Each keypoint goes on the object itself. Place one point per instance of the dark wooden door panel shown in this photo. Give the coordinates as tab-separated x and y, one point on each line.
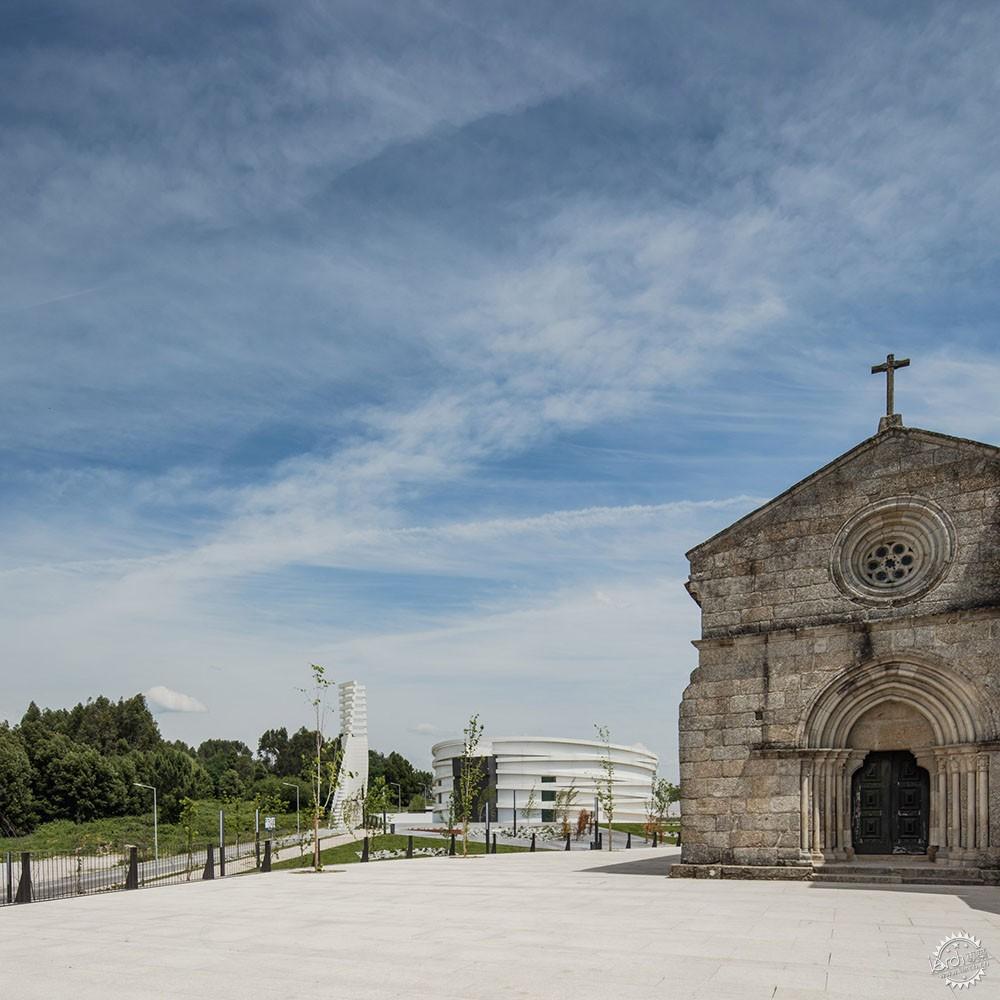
890	802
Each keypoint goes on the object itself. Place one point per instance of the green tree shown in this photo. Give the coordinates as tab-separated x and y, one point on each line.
284	756
397	770
75	782
230	785
466	793
175	776
377	803
106	726
606	784
301	747
135	725
663	794
17	813
218	756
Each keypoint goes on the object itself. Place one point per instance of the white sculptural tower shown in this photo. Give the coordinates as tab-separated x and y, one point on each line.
354	737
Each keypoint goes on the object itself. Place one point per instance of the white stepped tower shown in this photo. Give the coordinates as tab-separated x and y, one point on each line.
354	737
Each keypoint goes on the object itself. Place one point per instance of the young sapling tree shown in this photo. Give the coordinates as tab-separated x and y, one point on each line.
465	797
606	783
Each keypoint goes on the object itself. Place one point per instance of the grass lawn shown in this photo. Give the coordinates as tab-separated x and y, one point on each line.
64	836
347	854
639	829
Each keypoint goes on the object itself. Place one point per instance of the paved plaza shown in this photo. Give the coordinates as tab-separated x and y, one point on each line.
548	925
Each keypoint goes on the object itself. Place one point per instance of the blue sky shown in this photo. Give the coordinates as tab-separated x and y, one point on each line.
422	340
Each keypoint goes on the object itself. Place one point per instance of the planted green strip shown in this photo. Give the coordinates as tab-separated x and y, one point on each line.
348	854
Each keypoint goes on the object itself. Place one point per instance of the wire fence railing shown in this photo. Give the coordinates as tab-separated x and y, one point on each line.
34	876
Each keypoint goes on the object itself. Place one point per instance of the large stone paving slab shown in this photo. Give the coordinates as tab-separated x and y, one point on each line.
545	925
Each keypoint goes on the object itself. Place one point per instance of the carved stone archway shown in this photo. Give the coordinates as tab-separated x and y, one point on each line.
922	706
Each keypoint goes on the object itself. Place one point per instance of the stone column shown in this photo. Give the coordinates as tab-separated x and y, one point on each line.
982	801
852	763
934	823
941	777
817	836
954	806
927	760
969	829
829	805
804	786
837	777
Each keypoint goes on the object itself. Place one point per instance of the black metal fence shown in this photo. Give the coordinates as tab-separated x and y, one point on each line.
33	876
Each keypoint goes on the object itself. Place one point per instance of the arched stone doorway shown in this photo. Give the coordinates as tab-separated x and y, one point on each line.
890	804
874	730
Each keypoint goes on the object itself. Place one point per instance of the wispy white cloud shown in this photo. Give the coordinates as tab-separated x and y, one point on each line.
163	699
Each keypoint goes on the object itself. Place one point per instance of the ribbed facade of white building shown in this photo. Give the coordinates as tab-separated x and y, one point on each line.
548	765
354	736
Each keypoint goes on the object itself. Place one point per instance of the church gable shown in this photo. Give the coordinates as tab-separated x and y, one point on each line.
908	518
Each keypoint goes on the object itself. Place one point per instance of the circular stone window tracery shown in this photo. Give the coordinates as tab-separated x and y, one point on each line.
893	551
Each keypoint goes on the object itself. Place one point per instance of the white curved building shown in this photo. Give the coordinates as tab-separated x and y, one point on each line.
514	765
354	736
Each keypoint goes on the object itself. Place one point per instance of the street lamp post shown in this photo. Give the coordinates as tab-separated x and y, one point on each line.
399	795
156	839
298	830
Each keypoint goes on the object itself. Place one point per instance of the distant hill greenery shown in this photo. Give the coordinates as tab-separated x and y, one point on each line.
81	764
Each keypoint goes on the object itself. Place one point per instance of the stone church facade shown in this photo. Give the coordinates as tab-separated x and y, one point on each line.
847	696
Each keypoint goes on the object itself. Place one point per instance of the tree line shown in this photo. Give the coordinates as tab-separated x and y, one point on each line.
83	763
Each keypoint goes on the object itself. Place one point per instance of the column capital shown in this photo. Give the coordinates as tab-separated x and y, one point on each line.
982	761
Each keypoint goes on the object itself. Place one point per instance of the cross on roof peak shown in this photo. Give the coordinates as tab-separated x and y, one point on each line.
889	366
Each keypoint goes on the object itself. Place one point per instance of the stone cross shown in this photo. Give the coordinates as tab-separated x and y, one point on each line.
890	366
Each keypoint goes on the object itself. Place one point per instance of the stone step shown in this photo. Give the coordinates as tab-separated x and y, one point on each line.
877	879
958	880
942	871
903	875
895	859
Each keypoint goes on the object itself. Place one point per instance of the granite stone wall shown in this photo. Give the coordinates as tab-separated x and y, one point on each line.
777	630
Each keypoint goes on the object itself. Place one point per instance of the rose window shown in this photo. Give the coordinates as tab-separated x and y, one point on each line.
889	564
894	550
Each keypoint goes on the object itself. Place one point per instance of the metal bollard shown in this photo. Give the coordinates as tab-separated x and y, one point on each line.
266	864
628	840
494	846
24	886
567	842
532	843
451	847
364	850
209	873
409	846
132	878
654	837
